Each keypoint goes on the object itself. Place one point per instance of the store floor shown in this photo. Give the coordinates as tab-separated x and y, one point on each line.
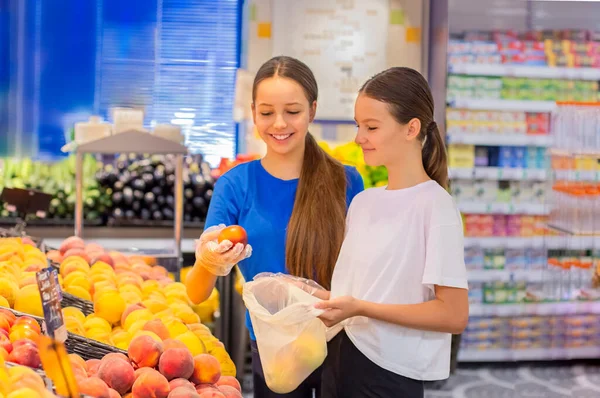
552	380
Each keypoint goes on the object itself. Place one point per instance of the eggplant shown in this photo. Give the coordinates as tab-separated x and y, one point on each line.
138	195
139	184
188	193
128	196
161	200
145	214
130	214
157	215
136	206
149	198
171	201
168	214
118	213
157	190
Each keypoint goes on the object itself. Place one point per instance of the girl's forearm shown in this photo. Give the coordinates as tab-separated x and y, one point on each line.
434	315
199	283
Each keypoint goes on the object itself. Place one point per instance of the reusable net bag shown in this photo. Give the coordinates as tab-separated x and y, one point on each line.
292	341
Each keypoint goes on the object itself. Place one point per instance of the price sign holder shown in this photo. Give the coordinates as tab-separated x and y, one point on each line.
57	366
51	294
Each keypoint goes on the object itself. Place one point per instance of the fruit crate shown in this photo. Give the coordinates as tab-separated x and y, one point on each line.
69	300
75	344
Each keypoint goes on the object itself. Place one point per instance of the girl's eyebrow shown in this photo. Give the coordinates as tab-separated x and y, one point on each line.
289	103
368	120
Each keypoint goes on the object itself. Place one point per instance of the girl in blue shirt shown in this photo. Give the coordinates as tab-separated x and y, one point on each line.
292	203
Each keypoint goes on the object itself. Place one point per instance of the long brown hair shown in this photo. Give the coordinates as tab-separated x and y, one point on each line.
408	96
315	231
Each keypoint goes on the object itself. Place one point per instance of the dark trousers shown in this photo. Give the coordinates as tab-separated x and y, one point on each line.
348	373
310	386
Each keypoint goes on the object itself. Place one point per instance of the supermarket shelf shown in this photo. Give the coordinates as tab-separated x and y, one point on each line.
548	242
577	175
502	105
536	72
504	208
524	309
505	275
499	173
499	139
532	354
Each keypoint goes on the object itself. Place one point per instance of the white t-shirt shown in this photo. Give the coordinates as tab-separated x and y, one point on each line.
398	245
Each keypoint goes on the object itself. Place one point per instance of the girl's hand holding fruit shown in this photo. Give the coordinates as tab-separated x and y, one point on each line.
220	248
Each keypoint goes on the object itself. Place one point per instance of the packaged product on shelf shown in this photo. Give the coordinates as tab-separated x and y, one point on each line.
461	156
462	190
475	292
494	259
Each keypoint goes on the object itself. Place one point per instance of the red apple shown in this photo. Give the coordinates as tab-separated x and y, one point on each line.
235	234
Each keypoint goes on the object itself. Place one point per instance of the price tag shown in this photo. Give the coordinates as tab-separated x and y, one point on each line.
57	366
51	294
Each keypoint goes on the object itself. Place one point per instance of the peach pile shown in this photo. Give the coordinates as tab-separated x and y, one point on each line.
21	382
153	368
19	261
18	339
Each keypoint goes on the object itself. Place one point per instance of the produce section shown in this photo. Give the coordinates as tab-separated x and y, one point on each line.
161	342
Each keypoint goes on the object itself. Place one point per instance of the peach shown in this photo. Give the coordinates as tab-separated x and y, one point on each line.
129	310
117	374
6	344
73	242
140	371
10	317
26	355
229	381
230	392
151	384
92	366
55	256
94	387
113	394
182	392
94	247
176	363
74	358
116	355
25	341
118	257
27	320
212	394
34	268
104	257
207	369
172	343
201	388
5	324
158	327
3	354
145	351
77	252
175	383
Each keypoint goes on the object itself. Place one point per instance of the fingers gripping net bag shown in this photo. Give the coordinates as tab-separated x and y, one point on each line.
291	339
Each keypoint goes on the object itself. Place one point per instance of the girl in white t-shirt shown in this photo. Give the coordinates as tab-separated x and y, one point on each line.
399	285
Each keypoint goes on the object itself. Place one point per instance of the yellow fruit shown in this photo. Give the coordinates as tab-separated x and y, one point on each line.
74	326
78	291
137	315
98	335
110	306
4	302
72	264
175	327
137	326
24	392
174	287
164	314
9	290
73	313
192	342
121	340
82	282
101	266
101	277
29	301
187	317
130	288
155	306
149	287
97	323
131	298
17	372
74	275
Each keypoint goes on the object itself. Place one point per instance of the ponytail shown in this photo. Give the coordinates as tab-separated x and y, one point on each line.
316	228
434	156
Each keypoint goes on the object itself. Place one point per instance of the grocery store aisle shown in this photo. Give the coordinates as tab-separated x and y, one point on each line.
525	381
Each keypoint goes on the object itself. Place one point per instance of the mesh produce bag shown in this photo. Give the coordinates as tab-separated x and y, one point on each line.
292	341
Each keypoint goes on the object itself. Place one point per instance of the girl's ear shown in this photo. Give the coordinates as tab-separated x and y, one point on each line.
414	128
313	111
253	112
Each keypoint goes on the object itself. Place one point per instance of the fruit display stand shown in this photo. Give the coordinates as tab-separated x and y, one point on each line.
134	141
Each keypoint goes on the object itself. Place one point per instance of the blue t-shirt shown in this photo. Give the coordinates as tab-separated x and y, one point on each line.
249	196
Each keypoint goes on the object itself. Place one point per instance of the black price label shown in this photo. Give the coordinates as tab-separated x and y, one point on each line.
51	294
